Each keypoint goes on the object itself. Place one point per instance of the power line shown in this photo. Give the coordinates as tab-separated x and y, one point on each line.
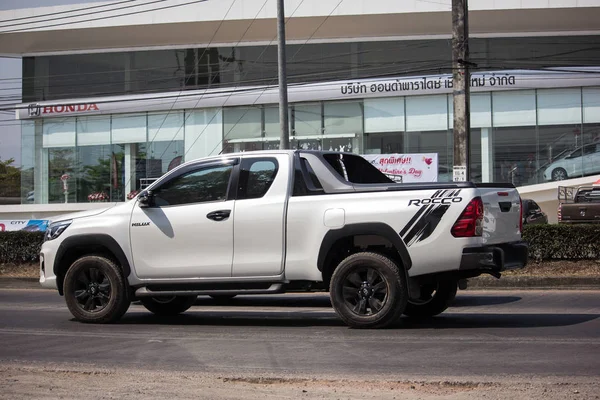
404	46
195	68
106	17
66	11
197	102
86	13
401	46
294	56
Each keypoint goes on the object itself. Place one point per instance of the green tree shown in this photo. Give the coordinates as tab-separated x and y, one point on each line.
10	179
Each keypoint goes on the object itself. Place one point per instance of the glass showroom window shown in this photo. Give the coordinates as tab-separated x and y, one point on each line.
59	158
384	126
307	126
481	154
28	161
203	133
242	129
427	130
95	162
128	138
559	134
591	129
165	143
342	126
272	128
514	138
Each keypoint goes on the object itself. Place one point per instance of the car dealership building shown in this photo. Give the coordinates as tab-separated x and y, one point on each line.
115	94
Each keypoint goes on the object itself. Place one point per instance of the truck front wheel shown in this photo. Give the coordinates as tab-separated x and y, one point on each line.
95	290
168	305
434	299
368	290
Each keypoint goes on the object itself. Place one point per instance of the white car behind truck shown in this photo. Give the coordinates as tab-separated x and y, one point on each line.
275	221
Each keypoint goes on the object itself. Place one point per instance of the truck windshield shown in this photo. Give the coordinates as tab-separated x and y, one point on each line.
355	169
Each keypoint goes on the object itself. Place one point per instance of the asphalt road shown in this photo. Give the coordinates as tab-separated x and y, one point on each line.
487	333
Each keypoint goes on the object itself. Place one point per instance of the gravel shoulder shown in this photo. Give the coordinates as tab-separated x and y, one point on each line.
44	381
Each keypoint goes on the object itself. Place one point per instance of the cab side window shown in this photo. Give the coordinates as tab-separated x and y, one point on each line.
256	177
198	186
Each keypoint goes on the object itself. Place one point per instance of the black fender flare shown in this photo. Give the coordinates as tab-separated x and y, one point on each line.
370	228
90	241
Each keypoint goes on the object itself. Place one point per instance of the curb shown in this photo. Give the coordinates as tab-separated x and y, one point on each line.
480	283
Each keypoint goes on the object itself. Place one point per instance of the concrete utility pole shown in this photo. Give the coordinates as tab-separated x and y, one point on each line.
461	91
284	141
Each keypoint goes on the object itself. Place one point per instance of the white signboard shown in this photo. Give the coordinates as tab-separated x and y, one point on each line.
31	225
459	173
486	81
407	168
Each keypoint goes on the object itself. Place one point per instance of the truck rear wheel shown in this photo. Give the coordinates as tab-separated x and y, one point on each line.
434	299
168	305
95	290
368	290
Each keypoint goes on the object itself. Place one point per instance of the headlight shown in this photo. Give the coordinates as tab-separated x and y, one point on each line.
54	230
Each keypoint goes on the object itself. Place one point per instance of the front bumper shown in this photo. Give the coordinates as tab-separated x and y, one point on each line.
47	277
495	258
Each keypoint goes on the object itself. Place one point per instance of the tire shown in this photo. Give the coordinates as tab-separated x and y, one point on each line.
167	306
435	299
559	174
368	290
95	290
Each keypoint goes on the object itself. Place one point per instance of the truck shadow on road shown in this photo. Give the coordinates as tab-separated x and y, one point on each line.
478	301
322	300
307	319
448	320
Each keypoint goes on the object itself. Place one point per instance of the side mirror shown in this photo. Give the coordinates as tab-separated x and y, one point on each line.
146	199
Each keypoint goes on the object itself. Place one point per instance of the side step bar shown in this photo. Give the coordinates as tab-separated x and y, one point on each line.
145	292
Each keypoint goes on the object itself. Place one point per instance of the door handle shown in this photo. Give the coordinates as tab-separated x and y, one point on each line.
220	215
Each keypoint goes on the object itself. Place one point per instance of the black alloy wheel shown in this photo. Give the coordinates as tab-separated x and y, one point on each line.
95	290
369	290
92	290
365	291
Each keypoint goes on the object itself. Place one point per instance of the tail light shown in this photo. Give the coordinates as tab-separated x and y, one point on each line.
470	222
520	215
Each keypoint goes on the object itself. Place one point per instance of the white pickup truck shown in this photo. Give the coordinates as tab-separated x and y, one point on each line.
275	221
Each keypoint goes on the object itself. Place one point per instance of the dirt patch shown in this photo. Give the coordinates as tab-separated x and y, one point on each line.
559	268
29	270
27	381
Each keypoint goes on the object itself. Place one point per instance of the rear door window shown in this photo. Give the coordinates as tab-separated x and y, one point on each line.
355	169
256	177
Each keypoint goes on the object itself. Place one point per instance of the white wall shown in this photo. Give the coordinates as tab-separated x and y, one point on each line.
174	23
546	194
250	9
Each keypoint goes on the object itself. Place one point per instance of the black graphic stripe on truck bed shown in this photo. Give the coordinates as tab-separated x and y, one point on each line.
426	219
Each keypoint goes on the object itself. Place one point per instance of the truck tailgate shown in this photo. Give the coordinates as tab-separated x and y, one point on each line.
579	212
502	214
